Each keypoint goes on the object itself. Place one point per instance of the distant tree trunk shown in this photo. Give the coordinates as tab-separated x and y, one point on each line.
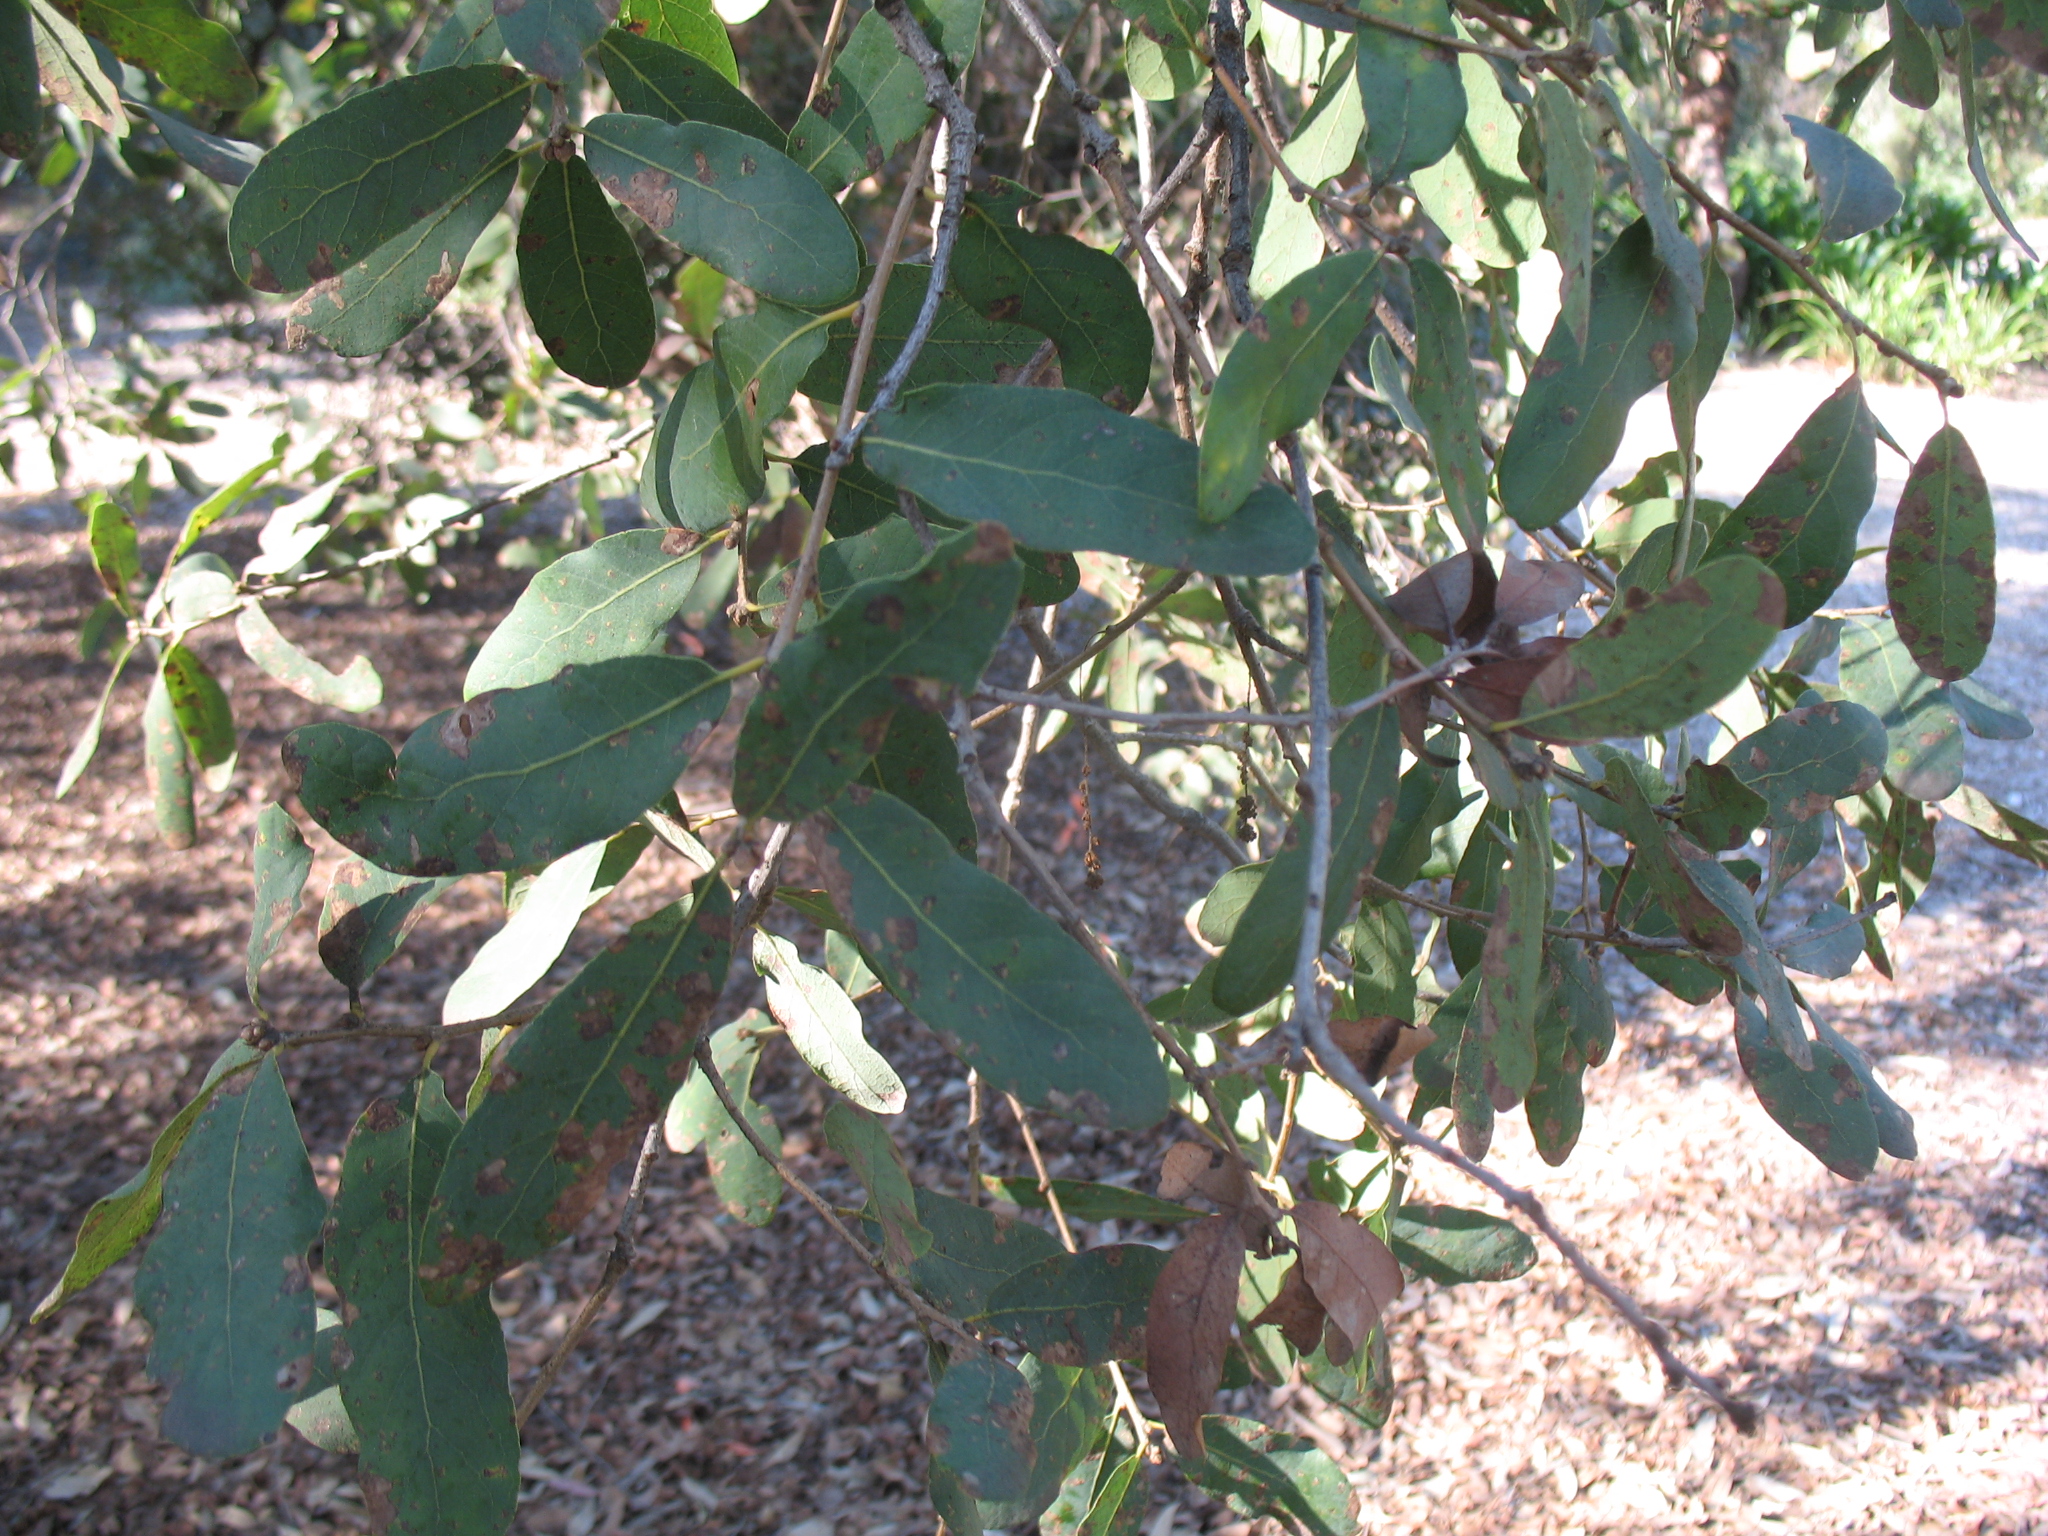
1710	84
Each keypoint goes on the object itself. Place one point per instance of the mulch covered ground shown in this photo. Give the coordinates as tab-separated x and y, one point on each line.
748	1381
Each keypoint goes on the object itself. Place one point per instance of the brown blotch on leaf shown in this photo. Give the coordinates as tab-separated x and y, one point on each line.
491	1180
464	725
1188	1326
1295	1312
382	1116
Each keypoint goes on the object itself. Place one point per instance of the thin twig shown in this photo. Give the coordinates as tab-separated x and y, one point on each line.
923	1310
1101	643
1338	1067
849	401
825	51
423	1034
624	1248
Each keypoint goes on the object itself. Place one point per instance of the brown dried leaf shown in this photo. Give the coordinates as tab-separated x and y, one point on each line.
1536	589
1295	1312
1188	1324
1495	688
1452	599
1353	1273
1196	1168
1380	1045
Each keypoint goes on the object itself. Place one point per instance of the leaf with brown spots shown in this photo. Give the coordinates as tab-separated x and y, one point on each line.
1828	1108
825	706
1353	1274
979	1429
744	207
1008	990
574	1092
1941	570
362	174
1079	1308
1801	763
1577	403
1801	518
1445	391
1653	662
224	1282
746	1183
1278	372
514	778
1188	1326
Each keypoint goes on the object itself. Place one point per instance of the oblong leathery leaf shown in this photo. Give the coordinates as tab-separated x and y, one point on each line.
1453	1246
1446	397
356	689
425	1386
281	863
1801	518
1941	572
205	718
1572	414
1656	661
656	79
550	37
1287	237
1064	472
580	274
1926	734
1806	759
71	74
1857	193
610	600
691	25
1986	714
979	1428
1478	193
521	953
744	207
873	101
470	35
195	57
1084	299
1011	993
366	917
1828	944
512	778
1278	372
1689	385
367	171
1822	1107
1414	94
1067	1404
118	1220
704	468
111	539
1365	769
224	1282
1079	1308
745	1182
1570	180
1266	1472
825	705
824	1027
919	764
964	347
394	287
1651	184
871	1152
973	1252
1999	825
573	1093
